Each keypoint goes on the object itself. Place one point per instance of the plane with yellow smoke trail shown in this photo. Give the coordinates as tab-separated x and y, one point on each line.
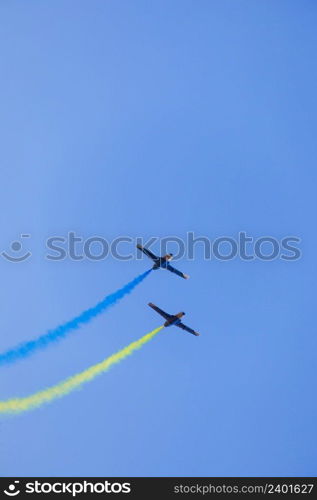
19	405
173	319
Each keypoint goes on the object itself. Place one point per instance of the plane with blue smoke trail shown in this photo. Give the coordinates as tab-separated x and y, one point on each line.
28	348
162	262
173	319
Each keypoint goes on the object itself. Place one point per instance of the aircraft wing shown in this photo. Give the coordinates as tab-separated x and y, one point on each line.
176	271
147	252
158	310
187	329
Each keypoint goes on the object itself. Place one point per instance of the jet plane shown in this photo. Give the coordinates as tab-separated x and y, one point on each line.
173	319
162	262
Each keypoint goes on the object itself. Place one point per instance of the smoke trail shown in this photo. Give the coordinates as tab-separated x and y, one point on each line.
27	348
19	405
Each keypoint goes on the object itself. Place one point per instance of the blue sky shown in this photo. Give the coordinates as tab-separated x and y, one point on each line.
140	119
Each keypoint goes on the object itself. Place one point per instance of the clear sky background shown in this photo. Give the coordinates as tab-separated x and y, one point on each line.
157	118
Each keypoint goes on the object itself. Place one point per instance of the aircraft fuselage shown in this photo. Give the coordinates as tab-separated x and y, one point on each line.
174	320
160	262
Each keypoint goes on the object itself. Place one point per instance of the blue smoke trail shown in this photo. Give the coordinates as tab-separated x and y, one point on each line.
27	348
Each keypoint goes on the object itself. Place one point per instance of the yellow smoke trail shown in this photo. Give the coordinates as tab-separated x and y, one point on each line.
18	405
